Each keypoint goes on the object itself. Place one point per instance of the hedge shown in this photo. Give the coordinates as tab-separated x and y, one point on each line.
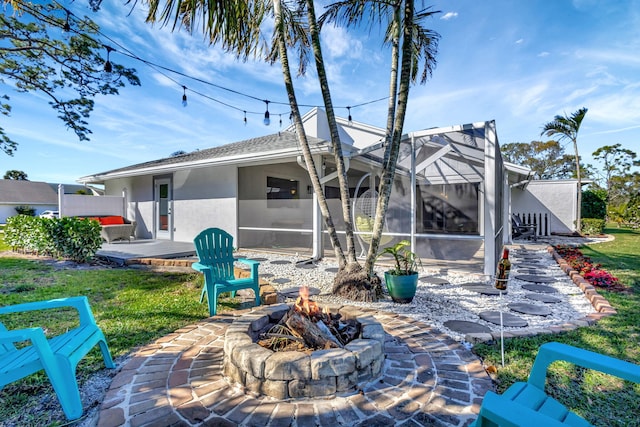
70	238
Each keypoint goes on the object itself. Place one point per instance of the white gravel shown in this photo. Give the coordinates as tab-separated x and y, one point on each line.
437	303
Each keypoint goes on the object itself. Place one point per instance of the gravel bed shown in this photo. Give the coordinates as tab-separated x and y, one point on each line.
437	303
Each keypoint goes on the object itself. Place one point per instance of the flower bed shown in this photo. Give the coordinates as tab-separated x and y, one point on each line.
588	269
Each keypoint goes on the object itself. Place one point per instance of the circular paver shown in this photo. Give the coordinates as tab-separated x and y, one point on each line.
189	386
530	265
535	278
534	287
532	271
545	298
331	269
281	280
434	280
533	309
482	288
280	262
466	327
266	275
260	259
508	319
294	292
306	266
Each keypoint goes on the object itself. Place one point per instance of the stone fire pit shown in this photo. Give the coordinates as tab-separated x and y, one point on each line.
295	374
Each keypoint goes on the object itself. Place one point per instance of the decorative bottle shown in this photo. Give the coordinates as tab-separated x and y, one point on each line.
502	274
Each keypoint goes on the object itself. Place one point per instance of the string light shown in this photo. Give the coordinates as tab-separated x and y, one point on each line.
349	119
267	119
108	68
184	96
280	119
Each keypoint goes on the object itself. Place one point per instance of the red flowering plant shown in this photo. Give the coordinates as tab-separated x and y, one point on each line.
592	272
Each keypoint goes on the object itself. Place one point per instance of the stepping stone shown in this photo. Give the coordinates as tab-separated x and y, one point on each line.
266	275
306	265
530	265
528	271
466	327
280	262
259	259
533	287
526	308
482	288
508	319
281	280
545	298
331	269
294	292
434	281
535	278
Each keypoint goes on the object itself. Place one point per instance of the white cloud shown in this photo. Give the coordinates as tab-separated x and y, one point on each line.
449	15
519	41
543	54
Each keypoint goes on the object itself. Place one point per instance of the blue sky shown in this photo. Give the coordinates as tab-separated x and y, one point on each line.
516	62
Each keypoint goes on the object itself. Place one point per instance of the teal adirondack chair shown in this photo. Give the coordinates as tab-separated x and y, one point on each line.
527	405
215	253
58	356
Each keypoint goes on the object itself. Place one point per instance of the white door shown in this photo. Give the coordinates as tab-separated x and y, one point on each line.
164	208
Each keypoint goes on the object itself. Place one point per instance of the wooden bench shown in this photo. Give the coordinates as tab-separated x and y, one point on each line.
58	356
527	404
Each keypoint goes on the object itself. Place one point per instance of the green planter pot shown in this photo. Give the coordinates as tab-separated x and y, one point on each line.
401	288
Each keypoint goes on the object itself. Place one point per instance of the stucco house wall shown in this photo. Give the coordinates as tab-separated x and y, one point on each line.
558	199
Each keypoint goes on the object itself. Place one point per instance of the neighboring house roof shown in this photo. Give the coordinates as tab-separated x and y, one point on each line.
70	188
15	192
278	145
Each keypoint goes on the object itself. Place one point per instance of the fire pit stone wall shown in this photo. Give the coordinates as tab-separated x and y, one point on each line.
295	374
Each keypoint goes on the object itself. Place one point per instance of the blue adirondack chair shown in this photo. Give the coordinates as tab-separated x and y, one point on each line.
58	356
527	405
215	255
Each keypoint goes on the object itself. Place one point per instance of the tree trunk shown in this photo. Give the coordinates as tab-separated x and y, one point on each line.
333	127
355	283
579	210
302	137
313	336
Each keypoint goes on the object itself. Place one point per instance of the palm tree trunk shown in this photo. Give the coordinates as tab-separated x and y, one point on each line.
333	127
579	210
302	137
391	152
393	90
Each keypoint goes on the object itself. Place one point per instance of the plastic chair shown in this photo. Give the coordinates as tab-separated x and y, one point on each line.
216	261
527	405
58	356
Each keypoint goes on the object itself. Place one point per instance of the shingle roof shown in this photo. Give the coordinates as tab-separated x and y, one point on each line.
253	147
16	192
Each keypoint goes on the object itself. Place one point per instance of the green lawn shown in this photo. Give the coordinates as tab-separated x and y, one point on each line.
133	308
601	399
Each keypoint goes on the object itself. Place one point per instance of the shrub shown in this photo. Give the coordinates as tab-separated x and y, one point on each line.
71	238
25	210
592	272
594	204
592	226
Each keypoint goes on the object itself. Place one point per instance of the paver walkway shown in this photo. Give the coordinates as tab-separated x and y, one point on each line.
428	380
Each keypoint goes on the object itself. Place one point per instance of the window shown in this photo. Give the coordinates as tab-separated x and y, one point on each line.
281	189
448	208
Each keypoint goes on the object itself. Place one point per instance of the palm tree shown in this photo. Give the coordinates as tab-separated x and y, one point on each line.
567	127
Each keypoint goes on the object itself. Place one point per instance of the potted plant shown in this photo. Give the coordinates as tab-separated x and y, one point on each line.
402	279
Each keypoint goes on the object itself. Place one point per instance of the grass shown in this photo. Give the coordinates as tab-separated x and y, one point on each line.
601	399
133	308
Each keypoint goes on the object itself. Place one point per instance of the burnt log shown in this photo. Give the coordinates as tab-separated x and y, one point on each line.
313	336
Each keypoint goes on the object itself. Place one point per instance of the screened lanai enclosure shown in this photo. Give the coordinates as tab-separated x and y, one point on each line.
450	199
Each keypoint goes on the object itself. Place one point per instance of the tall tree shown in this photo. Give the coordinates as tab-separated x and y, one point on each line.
36	57
16	175
616	161
546	159
244	18
567	127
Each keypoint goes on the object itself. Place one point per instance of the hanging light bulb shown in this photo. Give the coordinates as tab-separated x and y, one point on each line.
66	28
280	119
291	117
267	119
108	68
349	118
184	96
245	118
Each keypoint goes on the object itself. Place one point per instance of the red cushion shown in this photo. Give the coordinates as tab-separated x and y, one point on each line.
111	220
